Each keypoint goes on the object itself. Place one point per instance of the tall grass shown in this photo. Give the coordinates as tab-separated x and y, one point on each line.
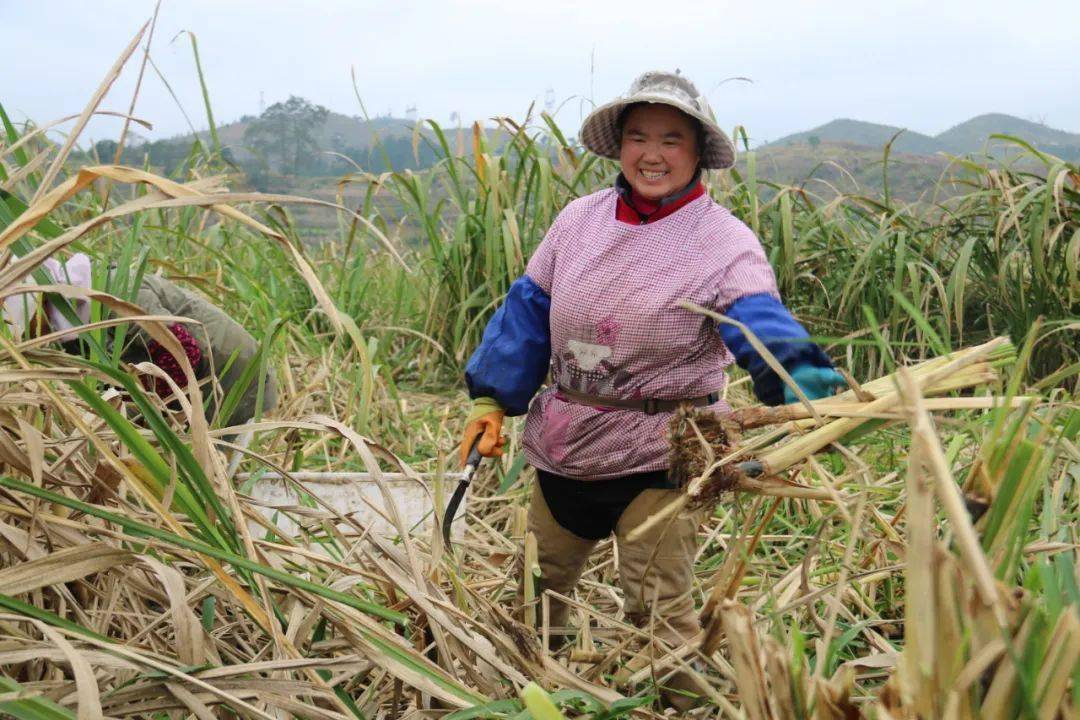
991	260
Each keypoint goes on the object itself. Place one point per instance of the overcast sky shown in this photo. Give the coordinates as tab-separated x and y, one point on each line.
922	64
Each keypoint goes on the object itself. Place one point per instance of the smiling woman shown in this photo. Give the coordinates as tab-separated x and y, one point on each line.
599	307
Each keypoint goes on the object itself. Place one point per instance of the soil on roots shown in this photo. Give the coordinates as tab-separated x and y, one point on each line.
699	438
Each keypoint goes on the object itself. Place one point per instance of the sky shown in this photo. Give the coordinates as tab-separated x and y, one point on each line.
921	64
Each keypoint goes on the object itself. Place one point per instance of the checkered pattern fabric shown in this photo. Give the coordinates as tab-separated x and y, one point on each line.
600	131
616	330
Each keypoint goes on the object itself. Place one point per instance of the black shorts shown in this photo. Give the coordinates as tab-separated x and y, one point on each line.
591	508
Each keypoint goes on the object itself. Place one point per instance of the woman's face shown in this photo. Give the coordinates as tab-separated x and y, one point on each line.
659	150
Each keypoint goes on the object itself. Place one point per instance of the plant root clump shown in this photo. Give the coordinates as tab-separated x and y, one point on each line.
698	439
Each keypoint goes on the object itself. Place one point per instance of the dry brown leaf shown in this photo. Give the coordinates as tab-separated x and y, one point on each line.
85	683
188	631
746	657
61	566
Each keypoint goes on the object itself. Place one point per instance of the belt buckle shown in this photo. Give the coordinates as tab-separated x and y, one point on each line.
651	406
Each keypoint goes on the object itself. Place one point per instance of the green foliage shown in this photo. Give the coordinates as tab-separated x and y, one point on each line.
482	214
987	262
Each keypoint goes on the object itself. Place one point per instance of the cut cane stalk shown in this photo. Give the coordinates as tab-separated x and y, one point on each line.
960	370
762	416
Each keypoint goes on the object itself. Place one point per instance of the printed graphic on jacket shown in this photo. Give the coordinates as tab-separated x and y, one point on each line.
588	366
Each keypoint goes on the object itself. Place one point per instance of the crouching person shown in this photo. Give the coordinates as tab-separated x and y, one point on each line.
215	343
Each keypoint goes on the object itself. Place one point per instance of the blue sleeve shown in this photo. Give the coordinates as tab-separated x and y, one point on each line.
781	333
513	358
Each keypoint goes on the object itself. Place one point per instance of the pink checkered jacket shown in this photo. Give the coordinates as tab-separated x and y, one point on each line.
616	329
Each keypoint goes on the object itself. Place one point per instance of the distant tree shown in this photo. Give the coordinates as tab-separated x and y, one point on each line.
284	130
814	141
105	150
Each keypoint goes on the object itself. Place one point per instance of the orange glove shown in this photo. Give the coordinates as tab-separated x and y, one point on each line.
484	421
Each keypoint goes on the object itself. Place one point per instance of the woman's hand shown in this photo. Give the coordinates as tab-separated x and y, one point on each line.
815	382
484	421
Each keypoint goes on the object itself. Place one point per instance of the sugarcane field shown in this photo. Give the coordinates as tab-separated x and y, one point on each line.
592	406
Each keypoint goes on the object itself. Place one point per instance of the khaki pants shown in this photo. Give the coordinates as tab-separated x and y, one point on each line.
658	566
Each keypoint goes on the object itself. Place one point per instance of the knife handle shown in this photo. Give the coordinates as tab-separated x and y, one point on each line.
473	460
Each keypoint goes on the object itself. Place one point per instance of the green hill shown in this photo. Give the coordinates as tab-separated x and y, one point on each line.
969	137
295	138
337	133
973	136
862	133
831	167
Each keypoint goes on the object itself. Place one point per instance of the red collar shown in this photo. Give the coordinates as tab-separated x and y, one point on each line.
633	209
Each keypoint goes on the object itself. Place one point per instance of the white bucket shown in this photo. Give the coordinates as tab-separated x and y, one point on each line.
356	495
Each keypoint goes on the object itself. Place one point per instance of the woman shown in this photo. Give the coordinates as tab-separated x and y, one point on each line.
598	305
214	342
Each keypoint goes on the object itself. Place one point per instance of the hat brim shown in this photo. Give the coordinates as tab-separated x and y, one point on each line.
600	131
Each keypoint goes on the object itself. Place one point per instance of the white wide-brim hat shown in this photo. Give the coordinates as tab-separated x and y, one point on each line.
600	131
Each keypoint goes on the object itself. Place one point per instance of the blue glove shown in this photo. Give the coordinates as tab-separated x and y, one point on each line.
816	382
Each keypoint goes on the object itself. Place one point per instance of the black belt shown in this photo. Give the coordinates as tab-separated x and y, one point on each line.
649	406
